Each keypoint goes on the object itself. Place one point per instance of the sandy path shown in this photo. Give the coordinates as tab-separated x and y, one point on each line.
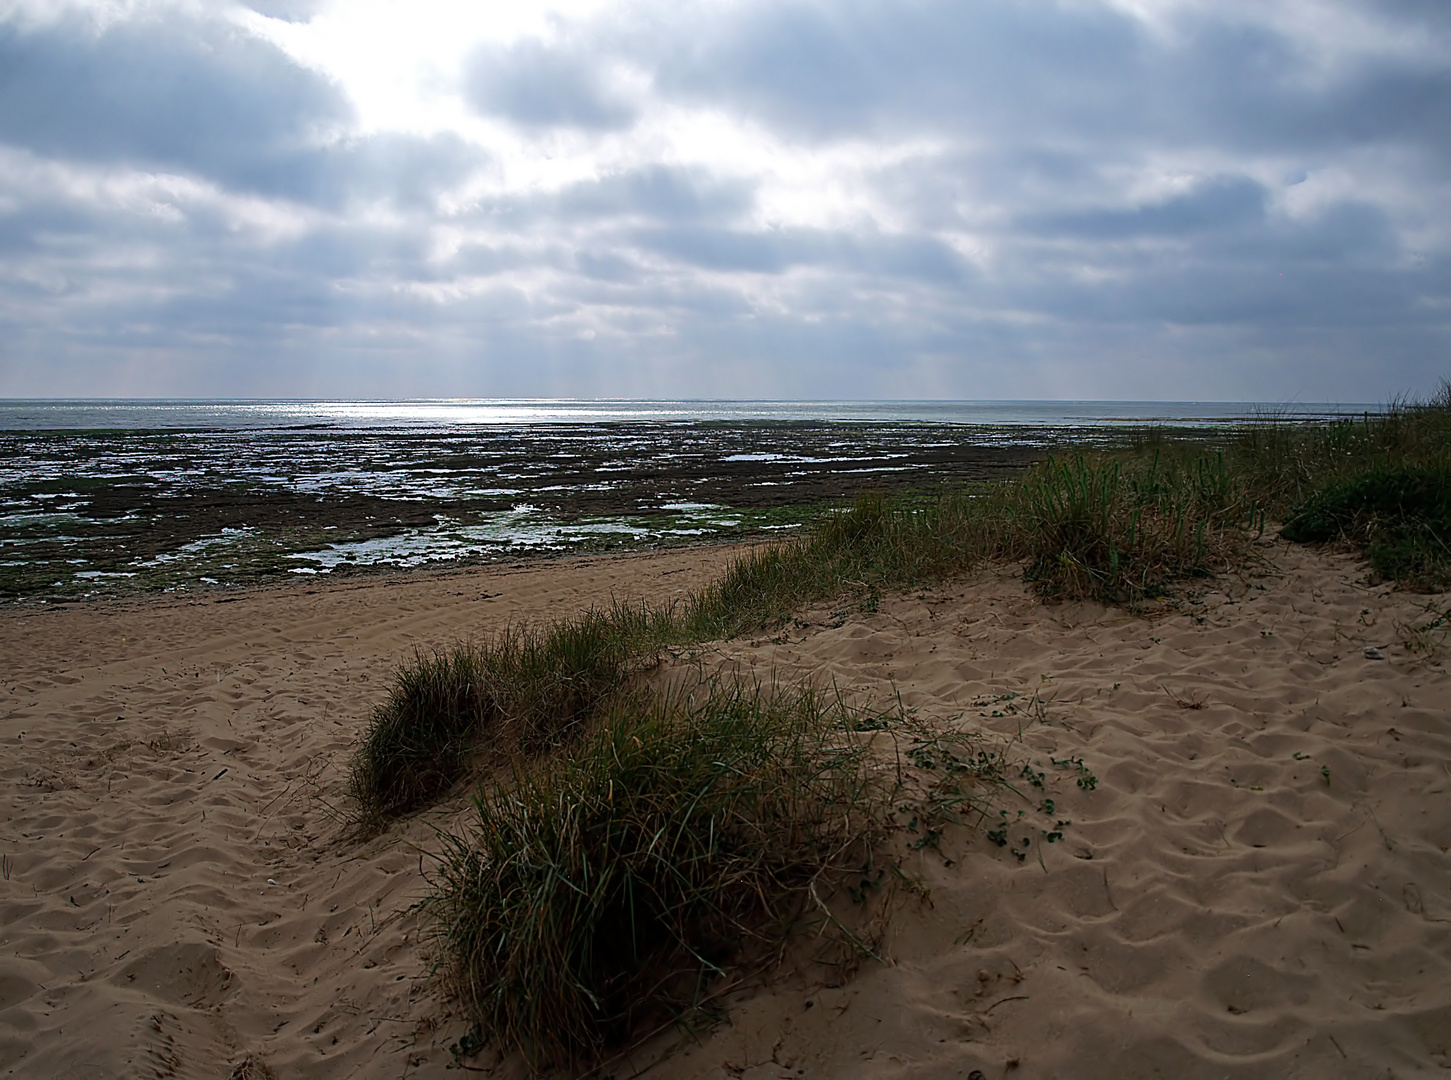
1218	906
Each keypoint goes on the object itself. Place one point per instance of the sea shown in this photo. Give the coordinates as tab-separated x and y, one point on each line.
463	413
110	498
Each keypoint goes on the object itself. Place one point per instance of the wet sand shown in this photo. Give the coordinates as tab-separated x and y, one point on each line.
1257	883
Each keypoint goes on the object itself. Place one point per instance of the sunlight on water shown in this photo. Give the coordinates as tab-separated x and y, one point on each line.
443	414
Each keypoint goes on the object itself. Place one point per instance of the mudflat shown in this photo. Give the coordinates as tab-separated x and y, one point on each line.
108	513
1254	883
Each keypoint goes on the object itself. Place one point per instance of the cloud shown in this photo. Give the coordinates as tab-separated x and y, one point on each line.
534	84
1012	197
1217	205
408	171
174	93
287	10
659	192
824	71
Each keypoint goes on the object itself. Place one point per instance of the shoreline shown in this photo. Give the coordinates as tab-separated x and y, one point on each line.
364	577
122	512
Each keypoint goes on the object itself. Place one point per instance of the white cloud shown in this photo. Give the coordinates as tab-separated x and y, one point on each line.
401	61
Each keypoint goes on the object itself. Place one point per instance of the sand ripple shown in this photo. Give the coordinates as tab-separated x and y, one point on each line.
1256	884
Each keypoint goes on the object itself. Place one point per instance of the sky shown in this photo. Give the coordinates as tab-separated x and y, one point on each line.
788	199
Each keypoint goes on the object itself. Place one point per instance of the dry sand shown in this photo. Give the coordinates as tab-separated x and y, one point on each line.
178	892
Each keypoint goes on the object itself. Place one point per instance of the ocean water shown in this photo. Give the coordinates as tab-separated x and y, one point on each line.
105	497
463	413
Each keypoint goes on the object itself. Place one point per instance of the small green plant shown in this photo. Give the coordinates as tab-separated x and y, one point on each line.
1085	778
420	738
963	776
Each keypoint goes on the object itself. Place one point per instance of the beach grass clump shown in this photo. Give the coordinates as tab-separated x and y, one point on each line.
1400	516
546	681
1121	528
420	738
599	889
1381	483
527	688
1286	464
873	543
531	688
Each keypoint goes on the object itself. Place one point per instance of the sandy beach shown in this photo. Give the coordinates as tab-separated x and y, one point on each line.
1256	883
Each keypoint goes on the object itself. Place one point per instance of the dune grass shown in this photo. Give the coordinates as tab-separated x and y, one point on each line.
1122	529
638	842
1123	525
1112	527
527	689
1380	483
1399	514
598	888
1116	526
1286	464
